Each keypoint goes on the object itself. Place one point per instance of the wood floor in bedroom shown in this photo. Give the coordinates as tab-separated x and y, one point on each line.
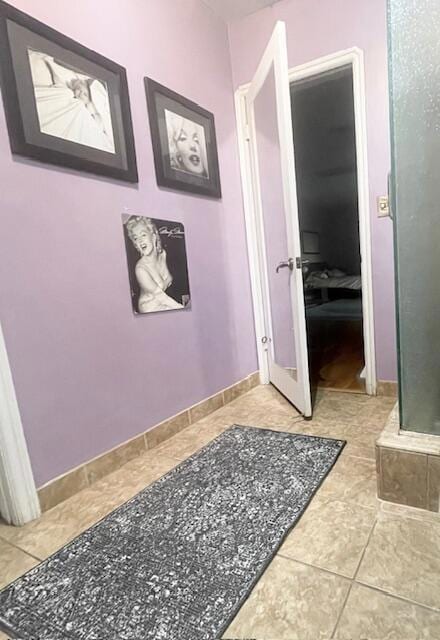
336	352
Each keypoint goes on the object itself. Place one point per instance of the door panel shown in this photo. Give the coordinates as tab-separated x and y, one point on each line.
273	222
273	169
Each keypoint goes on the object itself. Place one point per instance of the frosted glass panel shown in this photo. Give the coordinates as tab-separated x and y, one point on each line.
414	28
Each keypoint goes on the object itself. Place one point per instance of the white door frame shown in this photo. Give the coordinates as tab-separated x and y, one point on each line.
18	495
355	58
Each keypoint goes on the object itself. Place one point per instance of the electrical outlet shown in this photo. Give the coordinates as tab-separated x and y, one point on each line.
383	206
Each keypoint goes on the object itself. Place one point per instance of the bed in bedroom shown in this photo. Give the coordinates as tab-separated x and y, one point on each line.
330	292
334	327
333	303
333	279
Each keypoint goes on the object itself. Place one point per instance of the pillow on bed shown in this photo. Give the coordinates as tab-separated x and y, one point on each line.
336	273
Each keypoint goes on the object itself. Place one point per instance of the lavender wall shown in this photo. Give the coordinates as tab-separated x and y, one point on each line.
89	374
317	28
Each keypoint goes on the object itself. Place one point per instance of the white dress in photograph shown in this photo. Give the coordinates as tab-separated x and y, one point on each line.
65	116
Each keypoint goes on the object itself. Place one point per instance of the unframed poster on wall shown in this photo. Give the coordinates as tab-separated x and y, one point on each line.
157	264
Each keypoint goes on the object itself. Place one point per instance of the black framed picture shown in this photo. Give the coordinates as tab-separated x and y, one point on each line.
184	142
157	264
65	104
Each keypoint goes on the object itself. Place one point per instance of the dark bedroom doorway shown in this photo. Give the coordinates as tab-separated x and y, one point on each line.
325	158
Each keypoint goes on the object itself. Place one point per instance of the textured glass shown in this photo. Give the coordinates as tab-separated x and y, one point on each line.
414	30
274	225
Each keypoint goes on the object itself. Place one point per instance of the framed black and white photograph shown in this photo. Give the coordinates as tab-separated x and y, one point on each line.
184	142
157	264
65	104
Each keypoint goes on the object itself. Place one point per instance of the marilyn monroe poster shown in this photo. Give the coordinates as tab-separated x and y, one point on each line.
157	265
184	142
64	104
70	104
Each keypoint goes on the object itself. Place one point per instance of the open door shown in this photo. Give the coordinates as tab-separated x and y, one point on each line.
276	223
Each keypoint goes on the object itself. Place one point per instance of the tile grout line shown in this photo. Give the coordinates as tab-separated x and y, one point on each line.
428	491
342	609
397	597
313	566
370	535
332	573
353	580
12	544
361	457
426	517
383	591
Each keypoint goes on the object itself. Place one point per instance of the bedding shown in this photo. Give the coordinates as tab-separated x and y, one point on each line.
332	279
348	309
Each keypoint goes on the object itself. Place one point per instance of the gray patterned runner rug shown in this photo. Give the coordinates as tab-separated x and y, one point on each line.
178	560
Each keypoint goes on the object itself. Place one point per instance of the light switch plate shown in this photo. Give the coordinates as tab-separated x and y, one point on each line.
383	206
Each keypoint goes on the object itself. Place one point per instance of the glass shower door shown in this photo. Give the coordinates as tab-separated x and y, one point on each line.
415	144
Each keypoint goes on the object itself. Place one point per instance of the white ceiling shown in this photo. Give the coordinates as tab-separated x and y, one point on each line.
232	9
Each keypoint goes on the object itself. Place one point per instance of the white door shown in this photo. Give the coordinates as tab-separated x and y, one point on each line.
276	223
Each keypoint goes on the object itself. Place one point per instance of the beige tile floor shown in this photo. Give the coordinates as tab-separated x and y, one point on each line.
353	568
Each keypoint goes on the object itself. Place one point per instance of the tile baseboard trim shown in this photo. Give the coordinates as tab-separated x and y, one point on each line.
408	467
387	388
83	476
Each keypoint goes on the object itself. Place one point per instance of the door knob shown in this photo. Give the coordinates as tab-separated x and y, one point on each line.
287	264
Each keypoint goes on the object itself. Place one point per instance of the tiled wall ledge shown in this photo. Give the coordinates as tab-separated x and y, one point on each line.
85	475
408	466
386	388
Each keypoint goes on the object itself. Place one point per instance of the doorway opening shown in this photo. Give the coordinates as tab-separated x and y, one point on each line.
303	244
323	118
